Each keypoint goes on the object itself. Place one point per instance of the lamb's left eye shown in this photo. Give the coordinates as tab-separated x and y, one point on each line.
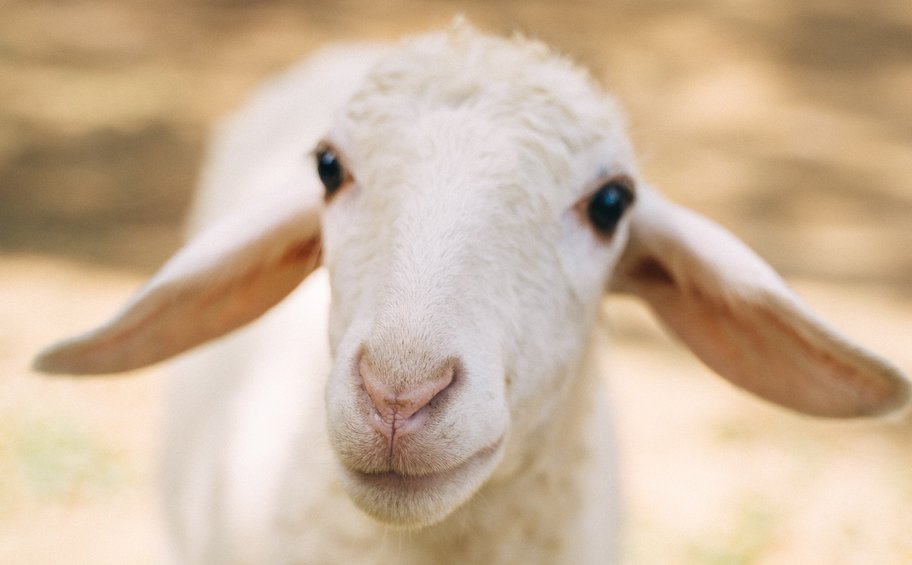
607	206
331	172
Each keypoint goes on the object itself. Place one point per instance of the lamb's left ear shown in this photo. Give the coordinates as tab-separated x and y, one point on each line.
741	319
225	277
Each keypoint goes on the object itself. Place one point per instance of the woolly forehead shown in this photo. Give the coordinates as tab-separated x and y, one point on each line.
512	100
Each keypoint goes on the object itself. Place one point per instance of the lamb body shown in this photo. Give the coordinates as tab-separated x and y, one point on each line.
461	243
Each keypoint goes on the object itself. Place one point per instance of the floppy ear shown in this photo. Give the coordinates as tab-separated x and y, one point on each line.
225	277
740	318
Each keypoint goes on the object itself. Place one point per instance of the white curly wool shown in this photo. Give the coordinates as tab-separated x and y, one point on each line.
445	405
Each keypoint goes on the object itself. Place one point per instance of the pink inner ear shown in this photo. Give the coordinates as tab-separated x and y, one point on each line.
742	320
651	271
768	345
773	353
223	278
168	318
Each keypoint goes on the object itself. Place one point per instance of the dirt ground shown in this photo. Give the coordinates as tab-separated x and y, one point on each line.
788	122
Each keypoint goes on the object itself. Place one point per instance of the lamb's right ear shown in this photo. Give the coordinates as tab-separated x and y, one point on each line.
225	277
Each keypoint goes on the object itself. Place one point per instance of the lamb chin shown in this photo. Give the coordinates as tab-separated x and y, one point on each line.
415	502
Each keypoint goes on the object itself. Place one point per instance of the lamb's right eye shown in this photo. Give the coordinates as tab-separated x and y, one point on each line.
331	172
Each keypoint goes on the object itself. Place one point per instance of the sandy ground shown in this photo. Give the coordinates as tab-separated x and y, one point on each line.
789	122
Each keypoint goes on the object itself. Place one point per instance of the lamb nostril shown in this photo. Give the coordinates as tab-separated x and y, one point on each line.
399	403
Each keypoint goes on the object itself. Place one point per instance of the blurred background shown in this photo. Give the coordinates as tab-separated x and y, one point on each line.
788	122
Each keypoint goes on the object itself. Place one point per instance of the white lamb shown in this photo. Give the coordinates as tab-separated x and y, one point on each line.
479	196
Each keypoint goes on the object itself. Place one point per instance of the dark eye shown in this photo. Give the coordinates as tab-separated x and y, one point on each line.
330	170
608	205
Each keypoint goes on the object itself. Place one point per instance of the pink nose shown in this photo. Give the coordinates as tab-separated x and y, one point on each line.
401	410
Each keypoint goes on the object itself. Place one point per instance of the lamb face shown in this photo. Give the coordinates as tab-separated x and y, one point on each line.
465	270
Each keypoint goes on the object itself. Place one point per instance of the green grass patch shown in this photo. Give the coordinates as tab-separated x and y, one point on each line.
753	532
58	460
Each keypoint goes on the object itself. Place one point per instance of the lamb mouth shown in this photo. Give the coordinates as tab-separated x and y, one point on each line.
396	481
